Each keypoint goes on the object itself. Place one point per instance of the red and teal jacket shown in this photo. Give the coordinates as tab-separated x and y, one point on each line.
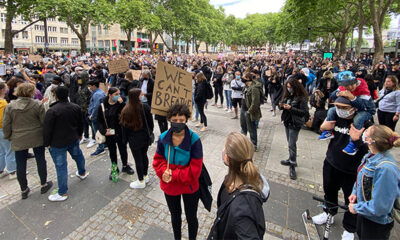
185	161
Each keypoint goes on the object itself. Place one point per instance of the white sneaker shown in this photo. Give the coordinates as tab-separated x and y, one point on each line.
4	174
204	129
273	114
82	177
199	125
146	179
225	109
322	218
57	198
195	119
229	110
13	175
138	184
347	235
91	143
84	140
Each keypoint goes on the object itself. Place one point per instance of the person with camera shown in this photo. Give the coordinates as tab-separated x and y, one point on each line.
295	111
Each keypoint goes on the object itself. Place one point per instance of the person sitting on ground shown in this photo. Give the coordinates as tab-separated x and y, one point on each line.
357	91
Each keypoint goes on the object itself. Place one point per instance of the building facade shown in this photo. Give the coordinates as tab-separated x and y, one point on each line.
62	38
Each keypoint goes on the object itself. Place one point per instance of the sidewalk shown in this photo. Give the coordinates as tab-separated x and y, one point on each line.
100	209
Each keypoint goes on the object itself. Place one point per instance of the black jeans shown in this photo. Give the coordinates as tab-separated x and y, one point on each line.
203	118
218	90
248	126
386	118
112	143
367	229
141	160
333	181
190	202
21	157
292	134
85	122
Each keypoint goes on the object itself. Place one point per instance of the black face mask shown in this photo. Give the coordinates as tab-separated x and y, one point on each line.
177	127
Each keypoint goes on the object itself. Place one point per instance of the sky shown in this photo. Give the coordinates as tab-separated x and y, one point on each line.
240	8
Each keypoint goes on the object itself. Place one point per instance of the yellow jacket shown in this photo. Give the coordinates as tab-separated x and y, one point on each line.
3	104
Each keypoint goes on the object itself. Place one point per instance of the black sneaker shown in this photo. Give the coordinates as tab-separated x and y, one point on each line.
128	170
25	194
288	163
46	188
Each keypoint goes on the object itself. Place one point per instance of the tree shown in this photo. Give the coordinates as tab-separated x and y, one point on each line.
131	15
31	11
79	14
379	9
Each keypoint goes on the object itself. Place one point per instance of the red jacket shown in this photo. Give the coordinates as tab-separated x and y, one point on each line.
186	161
361	90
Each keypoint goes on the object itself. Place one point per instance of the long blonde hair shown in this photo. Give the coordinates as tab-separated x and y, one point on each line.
240	151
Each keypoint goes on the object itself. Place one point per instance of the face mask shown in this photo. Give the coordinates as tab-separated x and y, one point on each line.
344	113
290	90
115	98
364	138
238	77
90	90
142	98
177	127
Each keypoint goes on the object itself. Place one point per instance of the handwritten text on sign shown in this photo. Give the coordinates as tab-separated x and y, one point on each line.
172	85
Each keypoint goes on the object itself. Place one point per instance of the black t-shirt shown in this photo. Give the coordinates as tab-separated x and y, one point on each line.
335	155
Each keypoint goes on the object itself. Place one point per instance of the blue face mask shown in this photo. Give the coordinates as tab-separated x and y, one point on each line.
237	77
115	98
142	98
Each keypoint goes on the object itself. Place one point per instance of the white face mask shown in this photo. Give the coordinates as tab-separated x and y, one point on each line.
344	113
364	138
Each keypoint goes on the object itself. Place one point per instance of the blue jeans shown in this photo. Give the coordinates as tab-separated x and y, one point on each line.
359	119
94	128
59	156
228	97
196	116
7	156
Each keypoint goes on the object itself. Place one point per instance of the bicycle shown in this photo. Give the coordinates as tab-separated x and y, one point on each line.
311	229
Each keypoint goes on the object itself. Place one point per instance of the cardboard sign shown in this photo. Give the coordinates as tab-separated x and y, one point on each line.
136	74
2	69
172	85
20	60
118	66
35	58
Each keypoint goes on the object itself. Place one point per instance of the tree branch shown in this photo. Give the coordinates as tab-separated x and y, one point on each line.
14	32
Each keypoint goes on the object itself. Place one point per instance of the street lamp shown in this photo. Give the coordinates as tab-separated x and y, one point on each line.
309	39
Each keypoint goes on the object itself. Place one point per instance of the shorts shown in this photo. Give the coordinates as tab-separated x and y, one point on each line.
236	101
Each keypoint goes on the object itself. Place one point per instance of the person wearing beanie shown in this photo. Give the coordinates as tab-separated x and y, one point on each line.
356	90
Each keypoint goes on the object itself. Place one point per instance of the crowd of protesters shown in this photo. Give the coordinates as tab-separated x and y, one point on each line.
63	102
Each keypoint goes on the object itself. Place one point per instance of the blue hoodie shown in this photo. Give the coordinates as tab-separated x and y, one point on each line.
377	187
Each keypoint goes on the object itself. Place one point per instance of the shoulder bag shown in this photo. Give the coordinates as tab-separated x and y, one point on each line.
100	138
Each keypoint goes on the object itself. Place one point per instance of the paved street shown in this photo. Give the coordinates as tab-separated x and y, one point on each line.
100	209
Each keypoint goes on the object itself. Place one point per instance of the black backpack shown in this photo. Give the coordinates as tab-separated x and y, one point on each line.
209	91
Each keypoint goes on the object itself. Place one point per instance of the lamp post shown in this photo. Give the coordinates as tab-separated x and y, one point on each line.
351	44
309	39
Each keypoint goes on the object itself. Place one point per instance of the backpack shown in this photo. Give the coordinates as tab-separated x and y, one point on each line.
209	91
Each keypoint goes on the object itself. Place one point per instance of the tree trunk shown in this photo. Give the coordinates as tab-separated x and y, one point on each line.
197	46
82	43
337	47
343	45
359	41
8	39
128	38
206	47
187	46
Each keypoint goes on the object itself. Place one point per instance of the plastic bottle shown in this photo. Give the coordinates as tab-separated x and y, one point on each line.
114	172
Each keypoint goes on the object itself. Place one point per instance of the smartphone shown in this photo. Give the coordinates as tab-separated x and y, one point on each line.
112	131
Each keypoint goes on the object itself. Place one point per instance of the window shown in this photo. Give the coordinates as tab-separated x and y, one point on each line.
100	44
3	17
23	21
63	30
94	41
52	40
51	19
64	41
87	43
54	29
3	33
75	41
39	39
123	32
99	29
25	35
106	31
107	44
37	27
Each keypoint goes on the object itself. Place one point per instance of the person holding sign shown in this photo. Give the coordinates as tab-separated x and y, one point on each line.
178	162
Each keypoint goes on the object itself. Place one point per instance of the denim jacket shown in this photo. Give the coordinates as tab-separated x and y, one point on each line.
95	101
377	187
